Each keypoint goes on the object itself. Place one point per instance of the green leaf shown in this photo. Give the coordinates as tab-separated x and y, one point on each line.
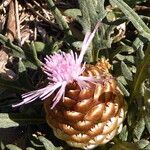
29	64
31	54
48	144
143	143
13	147
92	12
130	58
122	80
48	47
124	134
124	146
59	17
39	46
2	145
120	57
132	115
133	17
15	50
142	73
74	12
147	147
138	45
15	120
146	95
30	148
23	76
126	72
120	49
147	121
139	128
123	89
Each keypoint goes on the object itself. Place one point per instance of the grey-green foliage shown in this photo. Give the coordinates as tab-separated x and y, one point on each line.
59	17
8	120
91	13
134	18
125	146
138	44
46	145
146	95
143	143
142	72
124	134
13	147
138	118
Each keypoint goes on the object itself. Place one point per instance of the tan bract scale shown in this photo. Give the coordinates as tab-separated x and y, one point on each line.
89	117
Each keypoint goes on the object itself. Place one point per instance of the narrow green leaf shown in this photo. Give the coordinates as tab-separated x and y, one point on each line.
126	72
16	50
101	9
31	54
125	146
2	145
39	46
133	17
139	128
29	64
130	58
146	95
74	12
122	48
13	147
124	134
84	19
30	148
59	17
147	121
48	144
34	52
147	147
23	76
142	73
122	80
138	45
123	89
132	114
120	57
143	143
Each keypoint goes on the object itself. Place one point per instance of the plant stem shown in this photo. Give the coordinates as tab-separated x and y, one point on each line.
59	17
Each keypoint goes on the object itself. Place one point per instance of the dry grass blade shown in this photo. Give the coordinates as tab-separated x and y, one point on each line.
17	22
38	14
5	3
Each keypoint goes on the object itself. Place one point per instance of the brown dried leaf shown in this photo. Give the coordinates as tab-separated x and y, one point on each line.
5	73
11	22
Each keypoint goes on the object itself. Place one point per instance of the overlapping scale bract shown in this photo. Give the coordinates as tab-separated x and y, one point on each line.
89	117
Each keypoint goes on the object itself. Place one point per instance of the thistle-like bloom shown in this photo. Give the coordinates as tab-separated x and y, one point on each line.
61	69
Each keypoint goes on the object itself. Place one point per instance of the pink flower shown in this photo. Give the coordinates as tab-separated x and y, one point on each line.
61	69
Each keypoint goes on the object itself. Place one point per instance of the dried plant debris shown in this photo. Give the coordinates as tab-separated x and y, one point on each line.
5	73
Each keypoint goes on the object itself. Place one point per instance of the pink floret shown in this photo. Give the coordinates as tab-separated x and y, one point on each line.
61	69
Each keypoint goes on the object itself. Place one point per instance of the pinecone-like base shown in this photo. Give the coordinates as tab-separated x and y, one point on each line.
89	117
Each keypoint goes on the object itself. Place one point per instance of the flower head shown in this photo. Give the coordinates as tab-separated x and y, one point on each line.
61	69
